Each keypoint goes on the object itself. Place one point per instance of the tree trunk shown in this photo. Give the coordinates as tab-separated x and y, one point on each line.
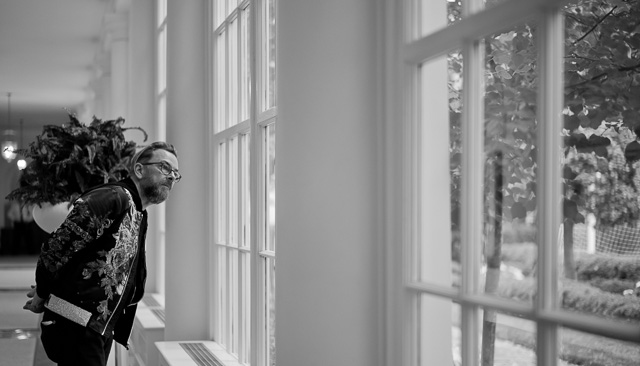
569	262
493	267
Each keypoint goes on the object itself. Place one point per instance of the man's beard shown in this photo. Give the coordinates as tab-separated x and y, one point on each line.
155	194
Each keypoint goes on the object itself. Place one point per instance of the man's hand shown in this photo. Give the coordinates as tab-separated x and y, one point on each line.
36	303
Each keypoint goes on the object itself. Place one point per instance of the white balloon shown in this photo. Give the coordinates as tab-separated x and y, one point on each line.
49	217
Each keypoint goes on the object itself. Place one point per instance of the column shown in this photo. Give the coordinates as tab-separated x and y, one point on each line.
117	41
186	282
328	244
141	112
141	108
99	86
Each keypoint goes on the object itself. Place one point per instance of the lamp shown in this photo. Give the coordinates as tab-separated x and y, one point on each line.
9	144
21	162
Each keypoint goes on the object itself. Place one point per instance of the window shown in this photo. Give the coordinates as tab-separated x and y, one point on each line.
534	99
161	119
244	178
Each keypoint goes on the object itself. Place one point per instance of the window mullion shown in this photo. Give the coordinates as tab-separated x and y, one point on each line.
253	182
227	303
239	236
472	196
550	94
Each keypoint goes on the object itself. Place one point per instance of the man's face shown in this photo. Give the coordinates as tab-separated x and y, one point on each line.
155	185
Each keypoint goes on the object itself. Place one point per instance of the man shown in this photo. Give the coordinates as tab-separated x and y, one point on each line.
91	271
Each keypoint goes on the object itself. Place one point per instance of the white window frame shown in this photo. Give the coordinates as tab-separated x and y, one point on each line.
160	23
402	60
250	123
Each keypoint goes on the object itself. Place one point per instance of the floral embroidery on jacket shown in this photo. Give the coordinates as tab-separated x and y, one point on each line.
80	228
114	268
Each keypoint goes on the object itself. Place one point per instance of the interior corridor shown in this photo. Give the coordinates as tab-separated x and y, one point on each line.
19	331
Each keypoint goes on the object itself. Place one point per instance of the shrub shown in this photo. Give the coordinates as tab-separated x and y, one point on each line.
579	297
598	266
587	299
613	286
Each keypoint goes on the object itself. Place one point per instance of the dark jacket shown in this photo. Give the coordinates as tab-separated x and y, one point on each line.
96	259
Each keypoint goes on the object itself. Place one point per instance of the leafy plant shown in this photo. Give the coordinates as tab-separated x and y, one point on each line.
67	160
605	186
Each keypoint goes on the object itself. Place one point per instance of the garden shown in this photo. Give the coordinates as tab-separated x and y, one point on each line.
605	286
599	237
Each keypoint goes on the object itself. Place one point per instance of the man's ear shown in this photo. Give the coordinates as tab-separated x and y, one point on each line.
137	170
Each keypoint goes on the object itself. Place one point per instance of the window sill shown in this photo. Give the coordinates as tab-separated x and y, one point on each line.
148	328
151	301
173	354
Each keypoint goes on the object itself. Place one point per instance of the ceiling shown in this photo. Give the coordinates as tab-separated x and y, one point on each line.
47	49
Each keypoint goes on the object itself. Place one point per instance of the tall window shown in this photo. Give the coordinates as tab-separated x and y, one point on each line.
161	119
244	125
161	68
518	246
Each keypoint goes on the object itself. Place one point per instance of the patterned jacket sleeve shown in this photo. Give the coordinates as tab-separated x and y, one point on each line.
91	215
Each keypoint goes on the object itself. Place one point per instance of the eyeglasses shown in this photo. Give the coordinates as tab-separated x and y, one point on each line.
166	169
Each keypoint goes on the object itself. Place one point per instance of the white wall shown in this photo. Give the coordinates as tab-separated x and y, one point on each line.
186	276
327	243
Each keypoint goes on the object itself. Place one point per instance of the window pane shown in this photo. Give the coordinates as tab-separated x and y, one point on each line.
270	311
272	53
233	192
219	12
245	71
245	234
222	296
162	118
161	11
220	82
454	83
429	16
232	74
436	250
451	10
234	304
246	307
270	187
231	6
601	255
437	338
507	340
221	194
580	348
510	98
268	61
162	60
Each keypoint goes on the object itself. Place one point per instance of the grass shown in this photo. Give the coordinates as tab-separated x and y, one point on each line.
597	292
578	348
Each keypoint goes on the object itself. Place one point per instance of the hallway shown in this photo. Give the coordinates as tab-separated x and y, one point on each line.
19	331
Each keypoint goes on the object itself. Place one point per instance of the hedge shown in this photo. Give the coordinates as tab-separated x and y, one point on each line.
609	273
579	297
599	266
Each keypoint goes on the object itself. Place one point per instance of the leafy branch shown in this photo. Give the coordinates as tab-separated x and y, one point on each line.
595	25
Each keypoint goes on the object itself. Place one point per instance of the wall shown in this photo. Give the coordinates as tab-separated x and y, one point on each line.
326	171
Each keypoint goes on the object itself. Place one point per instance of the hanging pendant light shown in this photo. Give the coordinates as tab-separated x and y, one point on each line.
9	143
21	162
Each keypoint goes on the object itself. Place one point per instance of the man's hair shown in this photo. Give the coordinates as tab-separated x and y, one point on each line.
144	155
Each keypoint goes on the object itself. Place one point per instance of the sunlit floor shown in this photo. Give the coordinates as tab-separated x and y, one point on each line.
19	329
